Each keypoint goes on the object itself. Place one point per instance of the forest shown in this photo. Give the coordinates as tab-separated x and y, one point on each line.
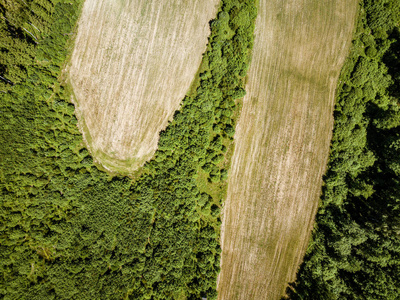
69	230
355	248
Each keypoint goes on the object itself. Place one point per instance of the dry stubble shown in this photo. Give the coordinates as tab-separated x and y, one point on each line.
132	64
282	143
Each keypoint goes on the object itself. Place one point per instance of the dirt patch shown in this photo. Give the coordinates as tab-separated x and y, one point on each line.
282	143
132	64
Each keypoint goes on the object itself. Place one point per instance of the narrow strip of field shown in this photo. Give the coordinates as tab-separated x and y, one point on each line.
132	64
282	143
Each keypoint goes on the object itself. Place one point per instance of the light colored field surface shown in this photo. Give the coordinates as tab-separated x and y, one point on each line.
282	143
132	64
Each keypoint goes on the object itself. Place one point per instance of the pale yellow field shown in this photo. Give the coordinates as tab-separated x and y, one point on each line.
132	64
282	143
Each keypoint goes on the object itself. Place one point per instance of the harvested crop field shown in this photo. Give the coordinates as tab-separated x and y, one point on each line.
132	64
282	143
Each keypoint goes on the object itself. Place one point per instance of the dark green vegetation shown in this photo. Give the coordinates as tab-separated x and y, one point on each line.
21	26
71	231
355	248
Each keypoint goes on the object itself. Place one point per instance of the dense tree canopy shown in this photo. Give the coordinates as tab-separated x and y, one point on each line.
71	231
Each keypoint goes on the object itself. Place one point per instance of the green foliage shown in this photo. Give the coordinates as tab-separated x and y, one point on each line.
355	248
22	24
71	231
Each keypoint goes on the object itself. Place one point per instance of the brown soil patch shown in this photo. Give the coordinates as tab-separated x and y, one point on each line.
282	143
132	64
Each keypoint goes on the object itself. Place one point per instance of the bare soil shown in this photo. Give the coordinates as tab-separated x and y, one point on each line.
282	144
132	64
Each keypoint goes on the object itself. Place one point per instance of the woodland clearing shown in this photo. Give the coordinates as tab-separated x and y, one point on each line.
282	143
132	64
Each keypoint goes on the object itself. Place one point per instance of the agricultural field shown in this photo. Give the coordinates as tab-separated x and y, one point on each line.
73	231
282	143
132	64
354	252
217	202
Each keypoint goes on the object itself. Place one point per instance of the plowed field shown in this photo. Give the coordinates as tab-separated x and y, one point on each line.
282	143
132	64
